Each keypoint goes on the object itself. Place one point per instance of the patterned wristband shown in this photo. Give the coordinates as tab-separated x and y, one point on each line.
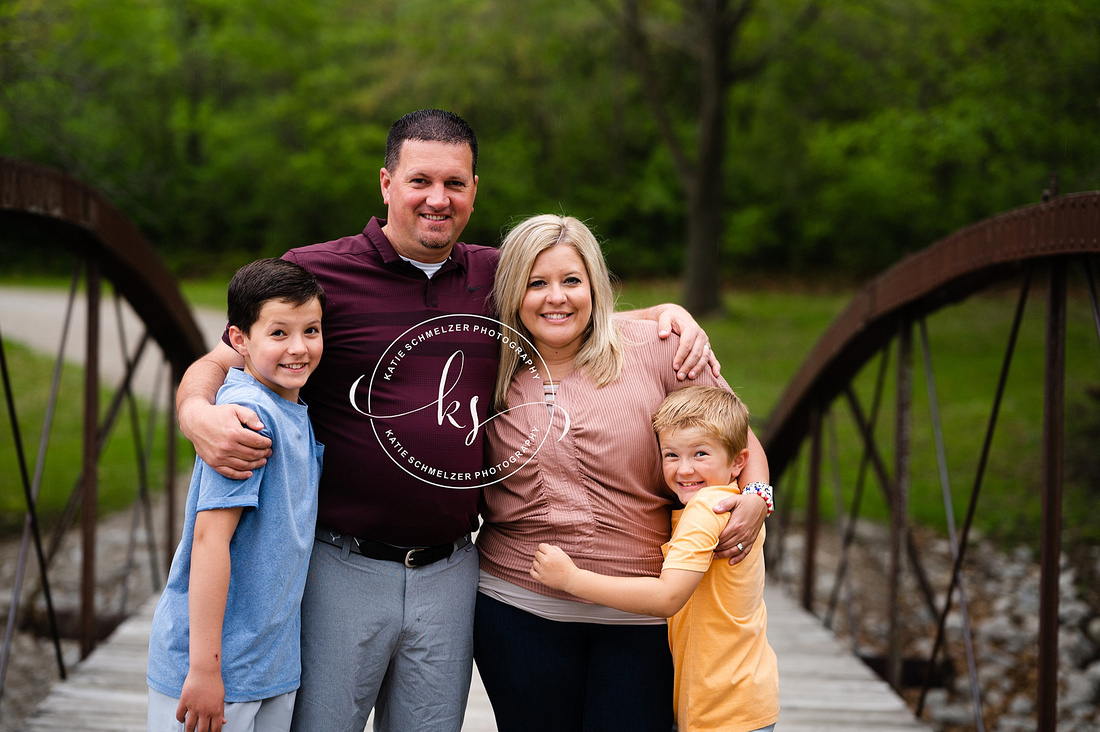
764	491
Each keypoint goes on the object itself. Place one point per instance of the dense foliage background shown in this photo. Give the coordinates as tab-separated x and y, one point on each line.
233	128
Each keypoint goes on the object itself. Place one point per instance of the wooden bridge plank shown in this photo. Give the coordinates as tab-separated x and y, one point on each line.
823	687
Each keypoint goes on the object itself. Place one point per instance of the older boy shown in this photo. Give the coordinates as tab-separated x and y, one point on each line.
726	676
225	644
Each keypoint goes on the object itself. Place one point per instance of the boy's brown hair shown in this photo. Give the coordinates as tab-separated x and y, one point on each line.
258	282
716	411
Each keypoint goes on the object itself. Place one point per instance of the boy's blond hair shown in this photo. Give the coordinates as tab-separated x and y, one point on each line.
719	413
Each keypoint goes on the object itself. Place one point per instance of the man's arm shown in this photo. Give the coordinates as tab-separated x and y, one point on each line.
658	596
202	701
225	436
747	512
694	351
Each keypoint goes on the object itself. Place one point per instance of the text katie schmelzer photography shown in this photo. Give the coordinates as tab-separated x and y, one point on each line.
397	421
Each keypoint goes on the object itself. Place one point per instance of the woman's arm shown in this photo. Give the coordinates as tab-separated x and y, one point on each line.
658	596
747	512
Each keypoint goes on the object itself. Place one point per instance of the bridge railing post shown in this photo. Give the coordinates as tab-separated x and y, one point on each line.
899	506
1051	532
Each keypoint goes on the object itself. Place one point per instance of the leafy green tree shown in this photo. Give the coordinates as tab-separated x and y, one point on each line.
891	125
689	55
233	128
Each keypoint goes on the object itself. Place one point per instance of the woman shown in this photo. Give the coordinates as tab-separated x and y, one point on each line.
591	484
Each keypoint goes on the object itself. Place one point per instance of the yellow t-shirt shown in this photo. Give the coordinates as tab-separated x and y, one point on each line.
727	677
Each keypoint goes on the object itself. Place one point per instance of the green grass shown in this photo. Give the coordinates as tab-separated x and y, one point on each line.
30	375
767	333
205	293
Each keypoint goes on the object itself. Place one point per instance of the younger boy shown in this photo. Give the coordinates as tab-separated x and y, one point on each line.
726	676
225	646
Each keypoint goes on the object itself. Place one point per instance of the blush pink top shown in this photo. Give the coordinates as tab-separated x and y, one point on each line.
598	492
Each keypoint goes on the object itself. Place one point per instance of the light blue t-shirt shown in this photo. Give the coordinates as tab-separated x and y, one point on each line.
269	556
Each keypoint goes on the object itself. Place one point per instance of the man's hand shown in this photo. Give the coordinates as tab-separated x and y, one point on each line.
552	567
226	437
694	352
223	435
747	514
202	702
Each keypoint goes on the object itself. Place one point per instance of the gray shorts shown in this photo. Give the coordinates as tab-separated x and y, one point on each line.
266	715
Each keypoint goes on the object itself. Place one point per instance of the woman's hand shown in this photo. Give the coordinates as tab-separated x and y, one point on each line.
747	514
694	352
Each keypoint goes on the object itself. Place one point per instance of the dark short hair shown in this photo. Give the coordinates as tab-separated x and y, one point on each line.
269	279
429	125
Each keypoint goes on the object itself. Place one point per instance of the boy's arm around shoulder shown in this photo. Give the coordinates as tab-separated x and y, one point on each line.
203	695
660	596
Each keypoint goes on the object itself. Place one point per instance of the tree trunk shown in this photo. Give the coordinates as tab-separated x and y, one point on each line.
704	183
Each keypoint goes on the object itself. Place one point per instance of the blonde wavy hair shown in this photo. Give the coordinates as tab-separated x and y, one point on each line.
601	353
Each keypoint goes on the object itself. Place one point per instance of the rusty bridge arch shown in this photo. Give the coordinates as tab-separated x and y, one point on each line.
43	207
1046	239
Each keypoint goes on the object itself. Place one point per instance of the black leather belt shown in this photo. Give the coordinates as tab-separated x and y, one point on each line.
409	556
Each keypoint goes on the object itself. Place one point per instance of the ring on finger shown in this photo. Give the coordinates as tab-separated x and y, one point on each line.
740	547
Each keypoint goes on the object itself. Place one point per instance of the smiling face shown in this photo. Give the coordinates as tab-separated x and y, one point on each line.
691	459
557	305
430	196
283	346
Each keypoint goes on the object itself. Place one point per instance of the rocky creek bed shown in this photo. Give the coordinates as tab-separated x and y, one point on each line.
1002	593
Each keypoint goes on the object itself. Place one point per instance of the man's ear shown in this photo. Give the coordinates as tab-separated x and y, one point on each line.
384	181
739	461
236	339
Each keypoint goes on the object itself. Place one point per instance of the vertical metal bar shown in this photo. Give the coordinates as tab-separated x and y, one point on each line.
170	534
900	506
844	530
89	478
784	507
161	387
30	523
32	517
886	483
813	493
857	496
1051	532
979	474
949	514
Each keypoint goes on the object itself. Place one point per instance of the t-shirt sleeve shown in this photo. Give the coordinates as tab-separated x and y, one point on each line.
695	537
217	491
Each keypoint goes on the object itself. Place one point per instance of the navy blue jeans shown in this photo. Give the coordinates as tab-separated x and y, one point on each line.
572	677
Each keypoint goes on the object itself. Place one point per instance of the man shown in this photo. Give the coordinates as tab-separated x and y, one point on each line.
408	372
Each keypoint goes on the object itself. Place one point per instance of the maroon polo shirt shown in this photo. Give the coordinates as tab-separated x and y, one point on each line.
402	388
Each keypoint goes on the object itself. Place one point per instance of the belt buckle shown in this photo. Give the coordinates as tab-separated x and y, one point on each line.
409	558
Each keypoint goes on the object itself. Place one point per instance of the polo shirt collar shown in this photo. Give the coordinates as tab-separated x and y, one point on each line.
375	235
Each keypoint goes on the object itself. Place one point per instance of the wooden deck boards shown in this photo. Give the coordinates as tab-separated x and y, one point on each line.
822	686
